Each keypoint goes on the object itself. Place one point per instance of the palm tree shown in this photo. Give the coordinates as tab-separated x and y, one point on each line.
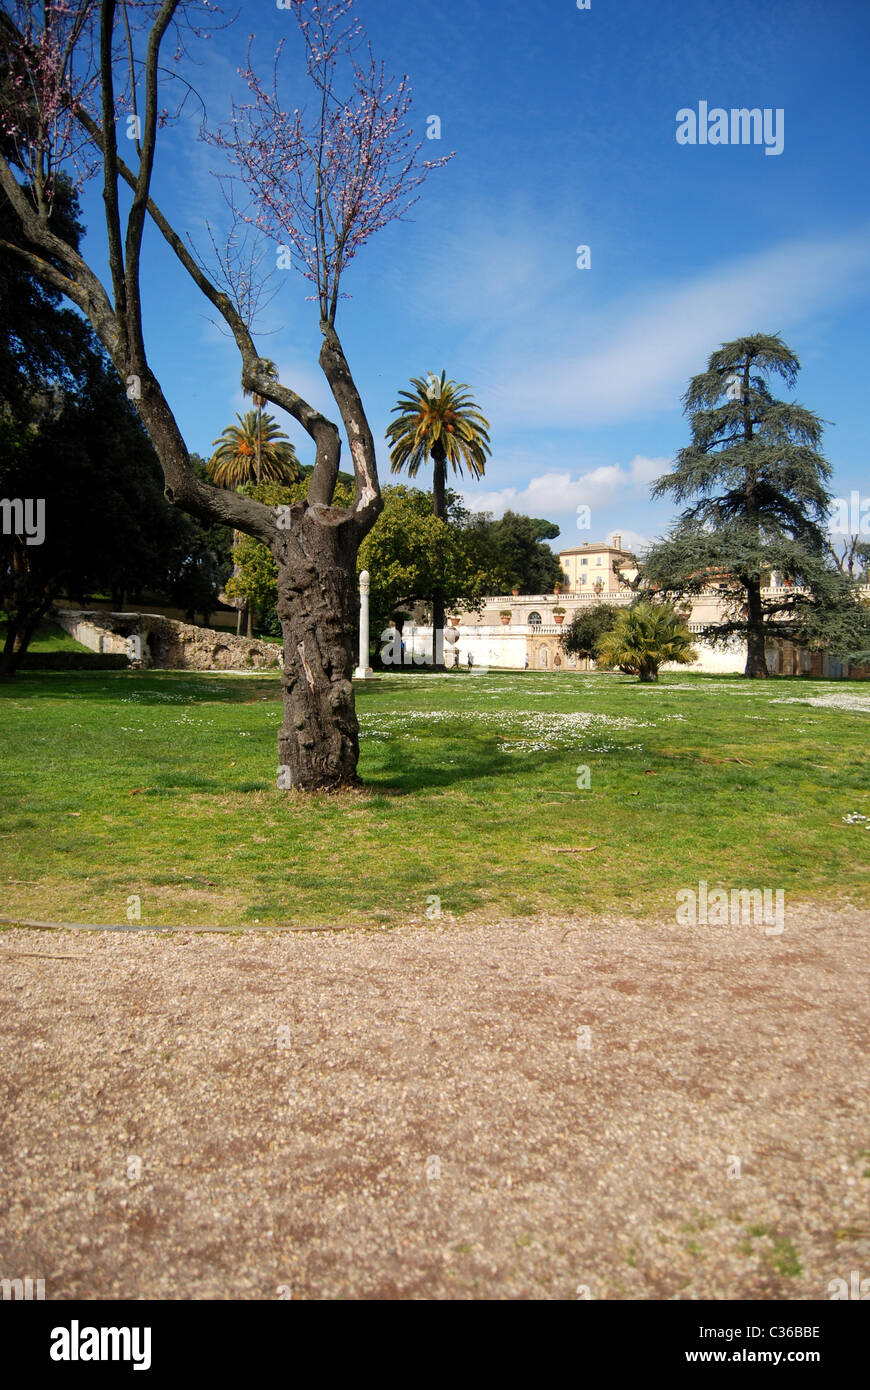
643	638
271	371
254	450
438	420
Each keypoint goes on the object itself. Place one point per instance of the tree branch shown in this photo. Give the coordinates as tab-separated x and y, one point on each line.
368	502
110	163
136	218
83	288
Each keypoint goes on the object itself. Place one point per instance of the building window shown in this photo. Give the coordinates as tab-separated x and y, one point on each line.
534	620
585	560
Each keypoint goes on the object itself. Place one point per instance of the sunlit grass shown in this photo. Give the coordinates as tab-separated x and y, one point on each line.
49	638
162	784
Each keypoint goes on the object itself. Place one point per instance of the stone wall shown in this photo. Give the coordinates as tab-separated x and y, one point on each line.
167	643
220	618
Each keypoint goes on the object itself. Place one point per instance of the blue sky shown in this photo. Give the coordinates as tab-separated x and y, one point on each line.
564	126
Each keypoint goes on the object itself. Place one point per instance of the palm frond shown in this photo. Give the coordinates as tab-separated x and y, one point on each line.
234	460
438	420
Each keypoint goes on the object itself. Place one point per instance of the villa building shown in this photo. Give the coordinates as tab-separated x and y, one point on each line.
591	568
524	631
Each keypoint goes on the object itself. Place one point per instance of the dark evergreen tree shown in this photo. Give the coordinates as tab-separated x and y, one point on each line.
520	543
581	635
66	428
756	484
108	527
42	343
205	564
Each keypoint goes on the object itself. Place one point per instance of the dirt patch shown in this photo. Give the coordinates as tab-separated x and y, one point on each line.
508	1110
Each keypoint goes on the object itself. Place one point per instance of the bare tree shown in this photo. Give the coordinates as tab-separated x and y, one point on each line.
852	557
323	183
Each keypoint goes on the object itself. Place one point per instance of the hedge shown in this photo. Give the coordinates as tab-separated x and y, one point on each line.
74	661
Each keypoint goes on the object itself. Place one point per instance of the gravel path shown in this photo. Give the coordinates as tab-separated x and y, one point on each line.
413	1113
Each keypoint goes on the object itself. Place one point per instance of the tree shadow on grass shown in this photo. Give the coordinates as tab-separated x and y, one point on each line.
146	688
480	760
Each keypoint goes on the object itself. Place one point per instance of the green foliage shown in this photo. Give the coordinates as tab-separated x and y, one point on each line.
438	420
69	435
520	555
270	623
108	526
205	561
643	638
756	485
42	344
412	554
256	579
587	625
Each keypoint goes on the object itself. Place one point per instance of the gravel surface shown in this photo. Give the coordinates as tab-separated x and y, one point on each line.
414	1114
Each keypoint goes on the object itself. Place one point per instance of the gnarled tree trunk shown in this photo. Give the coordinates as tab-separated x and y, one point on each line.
318	743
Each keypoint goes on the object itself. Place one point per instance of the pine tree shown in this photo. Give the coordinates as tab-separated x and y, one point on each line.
756	484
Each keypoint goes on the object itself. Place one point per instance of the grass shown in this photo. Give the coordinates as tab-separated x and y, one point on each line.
784	1258
49	638
778	1253
162	785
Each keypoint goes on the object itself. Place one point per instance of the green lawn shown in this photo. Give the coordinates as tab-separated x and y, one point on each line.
49	638
162	784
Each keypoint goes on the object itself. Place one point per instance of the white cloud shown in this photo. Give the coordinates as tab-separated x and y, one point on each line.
645	364
633	540
557	493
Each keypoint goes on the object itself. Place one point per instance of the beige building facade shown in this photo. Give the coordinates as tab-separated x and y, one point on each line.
591	568
524	631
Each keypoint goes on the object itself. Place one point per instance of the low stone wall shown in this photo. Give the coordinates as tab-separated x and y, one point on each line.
167	643
220	618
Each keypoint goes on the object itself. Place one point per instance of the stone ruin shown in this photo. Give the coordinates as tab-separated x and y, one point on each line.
148	639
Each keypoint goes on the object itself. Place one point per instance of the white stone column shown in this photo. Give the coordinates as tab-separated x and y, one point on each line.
363	670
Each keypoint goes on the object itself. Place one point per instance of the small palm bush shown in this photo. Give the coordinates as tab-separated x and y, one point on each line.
643	638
